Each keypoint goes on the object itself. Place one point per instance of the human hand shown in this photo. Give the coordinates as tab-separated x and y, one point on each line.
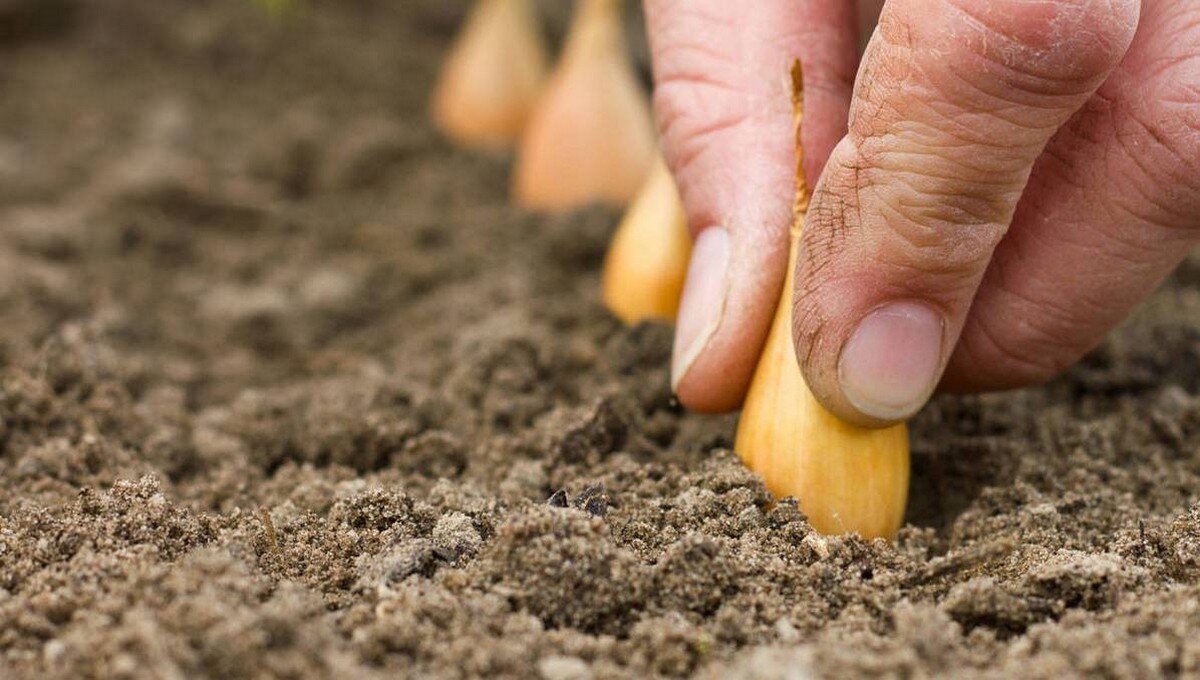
1016	176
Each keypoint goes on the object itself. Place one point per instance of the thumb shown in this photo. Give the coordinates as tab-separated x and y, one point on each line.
955	102
723	98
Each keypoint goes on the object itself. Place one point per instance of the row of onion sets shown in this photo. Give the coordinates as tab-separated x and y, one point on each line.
582	133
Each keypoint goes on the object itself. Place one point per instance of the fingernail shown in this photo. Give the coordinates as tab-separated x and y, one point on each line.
703	302
892	362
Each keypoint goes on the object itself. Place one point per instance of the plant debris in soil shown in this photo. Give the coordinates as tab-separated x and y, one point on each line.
287	390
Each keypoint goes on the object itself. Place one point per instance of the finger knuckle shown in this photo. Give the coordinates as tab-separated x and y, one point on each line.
1018	64
1169	127
919	240
1046	46
1030	331
933	223
694	102
1153	122
986	346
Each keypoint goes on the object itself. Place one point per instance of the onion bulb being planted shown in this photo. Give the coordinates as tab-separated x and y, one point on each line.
591	138
493	75
647	260
847	479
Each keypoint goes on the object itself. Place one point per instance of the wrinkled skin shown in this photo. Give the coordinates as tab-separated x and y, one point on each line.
1010	178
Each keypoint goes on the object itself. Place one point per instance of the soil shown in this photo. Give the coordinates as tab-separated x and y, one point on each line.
287	390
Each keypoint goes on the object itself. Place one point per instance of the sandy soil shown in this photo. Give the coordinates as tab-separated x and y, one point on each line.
286	390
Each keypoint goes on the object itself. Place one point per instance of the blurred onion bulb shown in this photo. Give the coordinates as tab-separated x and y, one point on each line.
493	75
591	137
847	479
647	260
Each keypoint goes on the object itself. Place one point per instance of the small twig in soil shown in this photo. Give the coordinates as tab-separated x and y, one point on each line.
272	536
967	559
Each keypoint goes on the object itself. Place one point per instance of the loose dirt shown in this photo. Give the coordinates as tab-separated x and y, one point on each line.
287	390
